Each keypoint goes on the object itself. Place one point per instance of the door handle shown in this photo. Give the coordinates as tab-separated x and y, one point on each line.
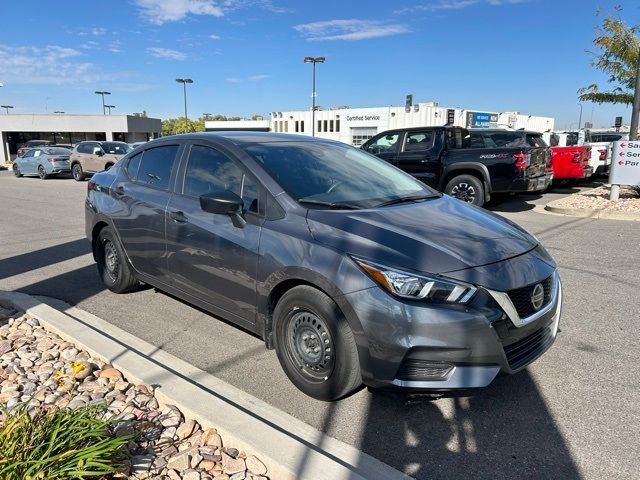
178	216
119	191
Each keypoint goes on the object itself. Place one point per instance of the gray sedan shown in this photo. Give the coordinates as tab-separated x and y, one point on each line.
43	162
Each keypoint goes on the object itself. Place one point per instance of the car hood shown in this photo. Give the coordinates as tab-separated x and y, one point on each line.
438	235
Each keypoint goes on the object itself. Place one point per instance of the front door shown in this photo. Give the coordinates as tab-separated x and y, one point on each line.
208	256
384	146
143	199
418	156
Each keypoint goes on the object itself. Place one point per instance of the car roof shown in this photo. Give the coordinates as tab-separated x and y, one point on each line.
238	137
503	130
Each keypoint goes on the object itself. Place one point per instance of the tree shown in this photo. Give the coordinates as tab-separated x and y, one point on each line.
174	126
618	50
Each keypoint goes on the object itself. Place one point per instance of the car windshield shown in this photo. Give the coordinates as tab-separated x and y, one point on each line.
57	151
326	175
116	148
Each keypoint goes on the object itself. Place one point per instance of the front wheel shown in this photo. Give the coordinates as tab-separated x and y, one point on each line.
466	188
77	172
113	268
315	345
16	171
42	173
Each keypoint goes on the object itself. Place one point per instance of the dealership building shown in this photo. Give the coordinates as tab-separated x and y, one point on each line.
70	129
356	125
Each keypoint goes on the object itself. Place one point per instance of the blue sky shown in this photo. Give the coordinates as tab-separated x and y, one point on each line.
245	56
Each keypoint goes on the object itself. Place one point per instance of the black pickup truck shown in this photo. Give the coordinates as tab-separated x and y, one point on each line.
468	164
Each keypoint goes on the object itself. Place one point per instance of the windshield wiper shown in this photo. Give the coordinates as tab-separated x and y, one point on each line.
324	203
413	198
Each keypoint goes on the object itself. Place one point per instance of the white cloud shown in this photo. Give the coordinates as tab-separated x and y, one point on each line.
98	31
352	29
455	5
158	12
252	78
168	53
51	65
215	37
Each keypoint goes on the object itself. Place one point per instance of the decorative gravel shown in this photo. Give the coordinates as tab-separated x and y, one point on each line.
598	199
38	367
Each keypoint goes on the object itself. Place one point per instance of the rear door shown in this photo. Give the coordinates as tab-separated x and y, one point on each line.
208	256
418	156
144	192
384	145
26	162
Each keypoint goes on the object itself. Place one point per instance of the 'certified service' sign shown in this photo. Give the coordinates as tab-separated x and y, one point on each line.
625	163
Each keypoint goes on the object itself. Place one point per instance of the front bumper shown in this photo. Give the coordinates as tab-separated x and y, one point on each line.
443	348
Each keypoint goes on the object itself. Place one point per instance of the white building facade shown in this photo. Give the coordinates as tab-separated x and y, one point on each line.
356	125
71	129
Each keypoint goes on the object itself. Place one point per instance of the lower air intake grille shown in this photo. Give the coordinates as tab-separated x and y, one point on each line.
416	370
527	349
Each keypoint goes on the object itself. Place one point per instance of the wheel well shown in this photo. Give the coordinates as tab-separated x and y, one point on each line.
108	165
75	162
472	172
94	235
274	297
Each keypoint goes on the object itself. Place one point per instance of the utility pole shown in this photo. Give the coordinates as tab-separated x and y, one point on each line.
313	60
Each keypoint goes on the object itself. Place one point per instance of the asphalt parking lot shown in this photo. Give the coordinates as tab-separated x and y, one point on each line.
572	414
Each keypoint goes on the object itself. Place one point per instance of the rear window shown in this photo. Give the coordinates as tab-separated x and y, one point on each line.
156	165
503	139
57	151
536	140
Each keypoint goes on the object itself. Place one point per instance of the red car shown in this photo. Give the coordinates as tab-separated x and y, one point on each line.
571	163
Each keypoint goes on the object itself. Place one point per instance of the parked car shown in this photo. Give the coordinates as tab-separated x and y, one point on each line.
468	165
136	144
608	136
600	151
22	149
351	269
43	161
93	156
570	164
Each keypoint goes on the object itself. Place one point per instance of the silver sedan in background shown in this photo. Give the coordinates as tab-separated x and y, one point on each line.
43	161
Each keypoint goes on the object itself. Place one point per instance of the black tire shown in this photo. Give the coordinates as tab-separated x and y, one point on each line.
113	267
77	172
315	344
466	188
42	173
16	171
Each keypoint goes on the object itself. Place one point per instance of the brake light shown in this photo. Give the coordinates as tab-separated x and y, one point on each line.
521	160
603	154
90	185
55	159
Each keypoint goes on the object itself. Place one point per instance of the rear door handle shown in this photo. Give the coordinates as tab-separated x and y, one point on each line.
178	216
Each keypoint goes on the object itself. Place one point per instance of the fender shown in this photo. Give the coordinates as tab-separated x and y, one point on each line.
475	166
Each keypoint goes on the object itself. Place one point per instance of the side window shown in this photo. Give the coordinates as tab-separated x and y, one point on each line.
384	144
535	140
29	154
37	153
132	166
156	165
476	140
554	140
418	141
209	170
504	139
84	148
95	149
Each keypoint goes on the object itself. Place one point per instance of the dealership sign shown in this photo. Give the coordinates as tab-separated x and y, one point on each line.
625	163
478	119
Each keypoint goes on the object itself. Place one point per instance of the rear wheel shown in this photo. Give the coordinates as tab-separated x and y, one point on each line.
78	173
42	173
315	345
466	188
113	268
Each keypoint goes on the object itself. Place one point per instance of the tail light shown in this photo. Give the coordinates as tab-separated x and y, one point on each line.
90	185
603	154
521	160
56	159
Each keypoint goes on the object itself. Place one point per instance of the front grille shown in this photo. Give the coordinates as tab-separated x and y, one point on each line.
413	369
521	297
527	349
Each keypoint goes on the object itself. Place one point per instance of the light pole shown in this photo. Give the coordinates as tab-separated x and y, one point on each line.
109	107
206	116
580	119
313	60
6	107
184	82
97	92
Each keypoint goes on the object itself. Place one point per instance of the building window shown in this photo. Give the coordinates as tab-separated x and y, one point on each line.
297	126
325	126
286	125
337	125
319	125
359	135
331	125
302	126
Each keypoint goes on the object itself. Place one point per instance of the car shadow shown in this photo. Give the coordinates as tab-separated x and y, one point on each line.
513	203
502	431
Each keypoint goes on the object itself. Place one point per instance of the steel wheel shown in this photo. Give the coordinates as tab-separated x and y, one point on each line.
309	345
111	260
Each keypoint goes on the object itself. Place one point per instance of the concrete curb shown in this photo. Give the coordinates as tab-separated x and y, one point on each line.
590	212
290	448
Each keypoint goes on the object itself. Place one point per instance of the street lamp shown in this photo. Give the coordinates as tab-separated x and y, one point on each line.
313	60
6	107
580	120
206	116
97	92
184	82
109	107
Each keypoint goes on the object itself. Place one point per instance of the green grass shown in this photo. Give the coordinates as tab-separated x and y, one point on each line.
59	444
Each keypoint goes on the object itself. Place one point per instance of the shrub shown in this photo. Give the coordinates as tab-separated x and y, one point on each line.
59	444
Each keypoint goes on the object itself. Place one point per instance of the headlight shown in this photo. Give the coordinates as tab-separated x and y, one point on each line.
417	287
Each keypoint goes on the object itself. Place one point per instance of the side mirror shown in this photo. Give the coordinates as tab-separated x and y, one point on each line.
100	153
224	202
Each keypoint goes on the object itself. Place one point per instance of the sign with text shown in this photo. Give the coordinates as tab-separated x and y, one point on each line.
625	163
